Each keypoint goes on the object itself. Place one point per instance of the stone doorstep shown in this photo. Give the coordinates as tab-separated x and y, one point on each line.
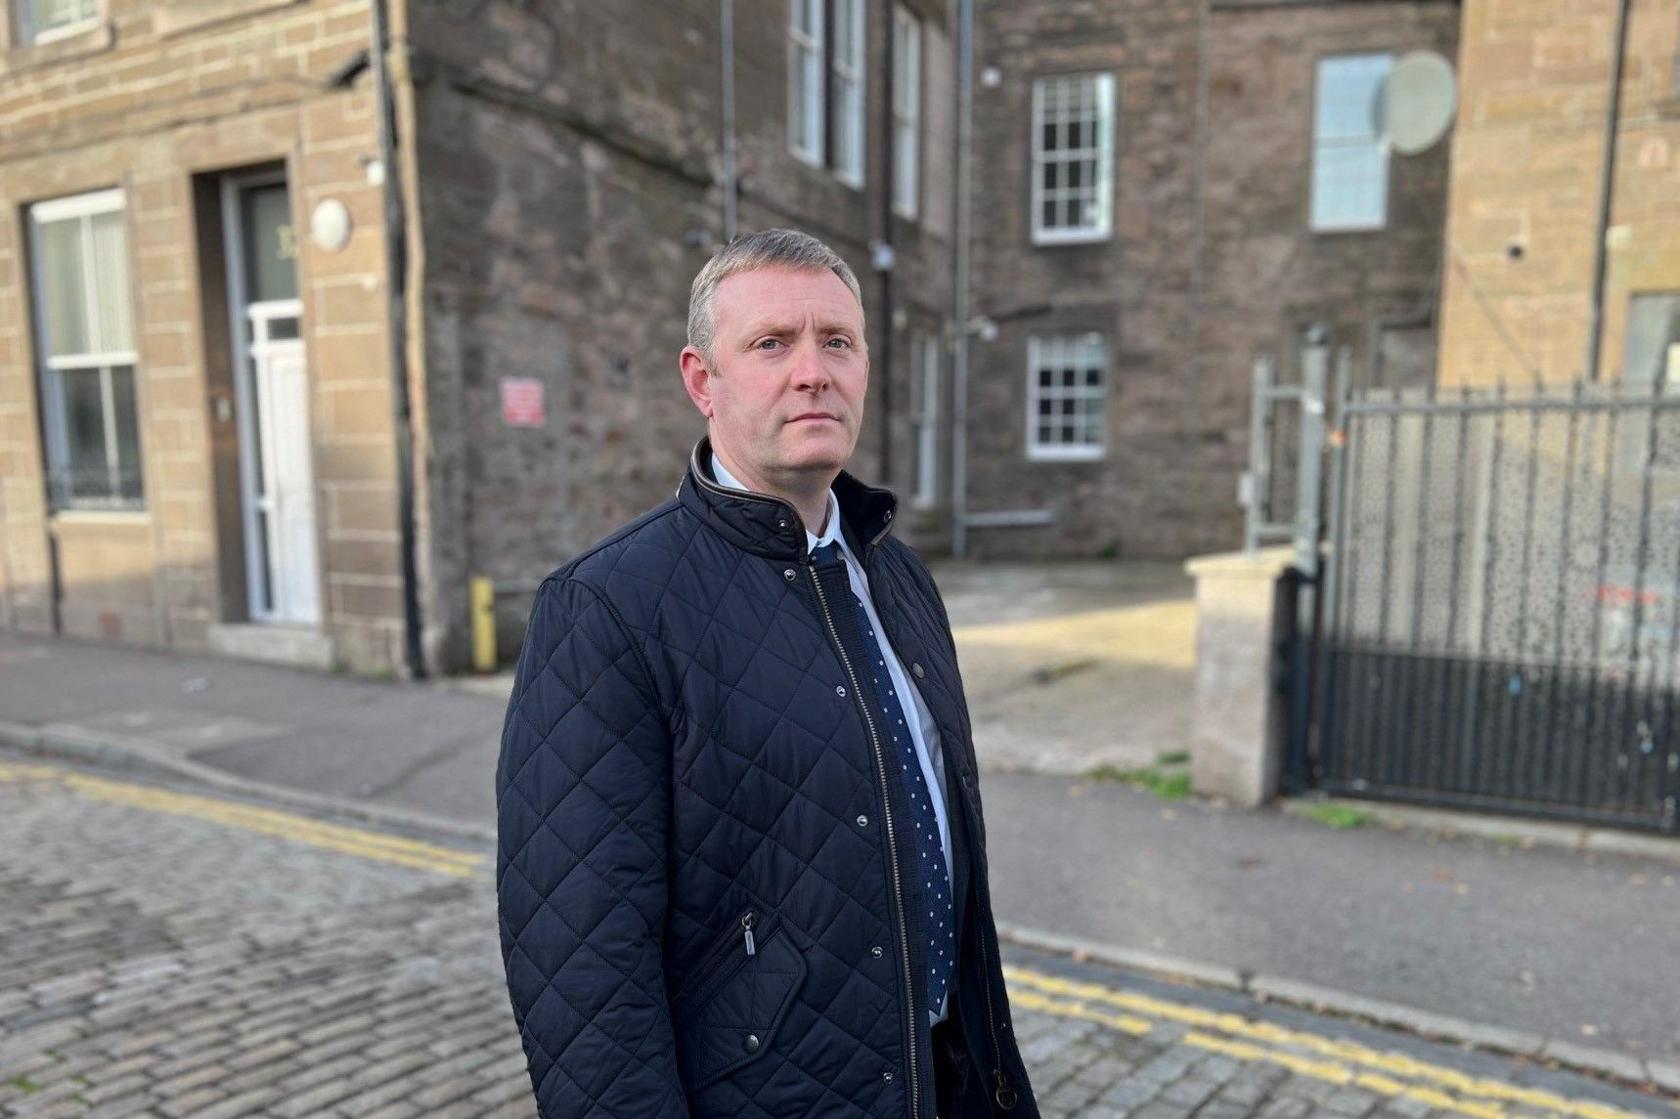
1605	1063
1455	823
301	646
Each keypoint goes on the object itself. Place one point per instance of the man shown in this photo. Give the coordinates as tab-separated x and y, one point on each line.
742	866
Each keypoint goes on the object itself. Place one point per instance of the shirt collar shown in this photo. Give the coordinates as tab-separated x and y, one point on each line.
831	520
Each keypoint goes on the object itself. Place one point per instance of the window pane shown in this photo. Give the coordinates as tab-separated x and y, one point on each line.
843	30
848	129
805	80
114	320
1066	382
806	18
1072	135
63	291
127	424
1349	187
1347	99
1350	165
86	470
44	15
269	243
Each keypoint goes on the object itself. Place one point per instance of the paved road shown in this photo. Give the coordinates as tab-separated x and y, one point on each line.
1571	946
1563	944
164	952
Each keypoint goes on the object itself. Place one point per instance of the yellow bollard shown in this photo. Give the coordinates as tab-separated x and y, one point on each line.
482	599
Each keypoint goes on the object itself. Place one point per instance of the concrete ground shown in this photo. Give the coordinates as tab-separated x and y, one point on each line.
167	952
1073	666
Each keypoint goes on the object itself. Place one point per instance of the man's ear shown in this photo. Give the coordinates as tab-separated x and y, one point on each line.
697	379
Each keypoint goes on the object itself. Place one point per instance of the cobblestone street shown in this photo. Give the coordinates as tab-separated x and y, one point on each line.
169	953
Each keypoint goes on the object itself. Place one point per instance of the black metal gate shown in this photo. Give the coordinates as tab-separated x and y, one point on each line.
1496	617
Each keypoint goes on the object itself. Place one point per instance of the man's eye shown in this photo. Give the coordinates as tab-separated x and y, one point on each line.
846	342
766	343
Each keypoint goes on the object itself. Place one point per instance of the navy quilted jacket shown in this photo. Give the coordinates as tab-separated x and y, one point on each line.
702	904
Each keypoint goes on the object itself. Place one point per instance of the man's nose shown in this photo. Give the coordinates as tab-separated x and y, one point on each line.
808	369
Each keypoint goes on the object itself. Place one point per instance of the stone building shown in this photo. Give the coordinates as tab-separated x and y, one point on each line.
196	423
1531	202
1168	189
277	382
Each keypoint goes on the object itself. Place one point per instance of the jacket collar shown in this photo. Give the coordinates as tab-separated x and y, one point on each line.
770	527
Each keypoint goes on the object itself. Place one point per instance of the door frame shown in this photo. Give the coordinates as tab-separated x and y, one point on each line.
257	572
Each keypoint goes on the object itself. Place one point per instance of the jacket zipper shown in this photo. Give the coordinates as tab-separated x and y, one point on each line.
715	967
892	842
1004	1093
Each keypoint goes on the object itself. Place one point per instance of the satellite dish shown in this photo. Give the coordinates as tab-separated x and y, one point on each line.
1418	102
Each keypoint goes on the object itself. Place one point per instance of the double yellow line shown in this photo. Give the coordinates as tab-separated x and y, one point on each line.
264	821
1307	1054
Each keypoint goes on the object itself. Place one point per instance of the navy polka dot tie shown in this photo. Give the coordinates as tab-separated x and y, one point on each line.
932	881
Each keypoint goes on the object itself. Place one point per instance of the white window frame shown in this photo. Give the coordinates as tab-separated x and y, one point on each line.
52	366
27	33
1373	141
1058	451
849	103
1102	153
924	419
809	100
907	112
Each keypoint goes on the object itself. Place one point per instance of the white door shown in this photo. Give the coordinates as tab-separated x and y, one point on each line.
271	389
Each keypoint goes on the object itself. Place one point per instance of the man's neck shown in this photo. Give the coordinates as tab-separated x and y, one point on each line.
812	506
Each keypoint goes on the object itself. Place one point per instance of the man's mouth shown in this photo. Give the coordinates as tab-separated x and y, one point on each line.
814	416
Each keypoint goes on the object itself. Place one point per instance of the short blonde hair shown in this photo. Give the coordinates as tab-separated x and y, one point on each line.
767	248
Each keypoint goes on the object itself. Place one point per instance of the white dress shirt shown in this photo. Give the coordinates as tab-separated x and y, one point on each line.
924	734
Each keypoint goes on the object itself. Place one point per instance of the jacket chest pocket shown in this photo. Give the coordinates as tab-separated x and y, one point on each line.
728	1014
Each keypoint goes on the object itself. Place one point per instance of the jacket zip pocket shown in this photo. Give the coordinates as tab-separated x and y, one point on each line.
734	948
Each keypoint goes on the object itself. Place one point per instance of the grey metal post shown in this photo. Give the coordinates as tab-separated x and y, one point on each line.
1309	471
1257	483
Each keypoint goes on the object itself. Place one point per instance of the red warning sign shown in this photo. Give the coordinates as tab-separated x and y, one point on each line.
522	402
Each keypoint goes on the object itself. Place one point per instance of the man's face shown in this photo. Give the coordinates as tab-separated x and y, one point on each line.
784	390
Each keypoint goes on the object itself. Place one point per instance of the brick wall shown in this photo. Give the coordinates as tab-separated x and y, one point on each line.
1527	157
1185	299
570	156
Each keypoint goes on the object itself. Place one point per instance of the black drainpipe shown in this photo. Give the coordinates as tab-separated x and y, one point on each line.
1606	190
396	257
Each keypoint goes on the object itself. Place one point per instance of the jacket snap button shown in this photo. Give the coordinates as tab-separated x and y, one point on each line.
840	690
887	1075
917	669
887	516
876	951
787	573
863	821
752	1043
781	524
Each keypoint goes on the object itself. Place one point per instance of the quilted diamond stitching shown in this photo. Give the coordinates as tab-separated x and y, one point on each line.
633	626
